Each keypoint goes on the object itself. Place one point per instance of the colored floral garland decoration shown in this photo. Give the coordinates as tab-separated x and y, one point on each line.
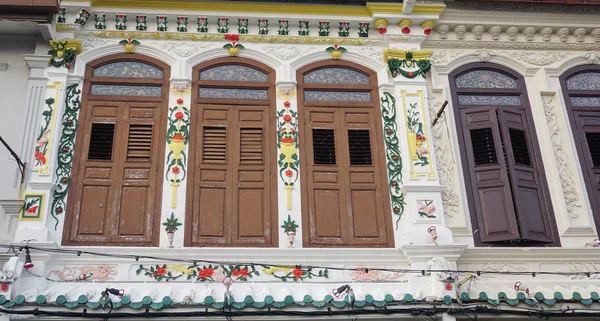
296	273
287	143
203	273
41	143
396	65
289	228
233	48
392	152
177	139
416	139
66	147
171	225
62	54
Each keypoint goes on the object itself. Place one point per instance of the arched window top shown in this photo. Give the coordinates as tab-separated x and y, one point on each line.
584	81
336	75
234	73
485	79
128	69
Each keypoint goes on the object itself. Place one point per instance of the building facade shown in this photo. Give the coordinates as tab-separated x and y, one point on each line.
300	160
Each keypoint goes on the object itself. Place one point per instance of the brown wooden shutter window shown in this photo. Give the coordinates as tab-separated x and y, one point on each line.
214	145
482	142
593	141
139	145
101	141
324	146
518	141
359	142
251	146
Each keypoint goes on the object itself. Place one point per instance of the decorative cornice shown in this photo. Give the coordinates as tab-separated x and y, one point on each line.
392	53
424	253
523	7
12	207
509	45
37	61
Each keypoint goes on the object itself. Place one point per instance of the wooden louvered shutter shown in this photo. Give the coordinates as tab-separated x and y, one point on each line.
139	144
359	144
323	146
492	197
214	145
251	146
101	141
532	207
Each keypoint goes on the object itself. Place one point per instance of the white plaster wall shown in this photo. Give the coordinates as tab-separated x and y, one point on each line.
13	92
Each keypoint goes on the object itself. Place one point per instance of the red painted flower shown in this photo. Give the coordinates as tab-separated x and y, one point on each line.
232	37
83	277
427	31
161	271
410	74
344	23
179	115
120	16
243	19
59	209
40	157
287	140
289	173
176	170
244	272
448	286
297	273
235	273
293	130
284	21
287	104
202	19
287	118
32	210
406	30
263	21
382	30
4	287
180	101
420	137
178	137
223	19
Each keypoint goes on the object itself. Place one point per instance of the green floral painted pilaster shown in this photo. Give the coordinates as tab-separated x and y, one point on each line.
263	27
323	28
66	147
177	139
392	153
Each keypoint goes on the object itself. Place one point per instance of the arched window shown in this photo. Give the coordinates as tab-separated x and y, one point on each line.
506	185
345	202
231	193
119	153
581	89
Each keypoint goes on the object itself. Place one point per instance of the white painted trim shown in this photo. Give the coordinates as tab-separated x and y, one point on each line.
213	53
469	57
568	64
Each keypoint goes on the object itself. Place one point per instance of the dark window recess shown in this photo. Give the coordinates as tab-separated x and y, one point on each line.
214	145
593	141
251	146
324	146
139	145
518	140
484	150
101	142
359	144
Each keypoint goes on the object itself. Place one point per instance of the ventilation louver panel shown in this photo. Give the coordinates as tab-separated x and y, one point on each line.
359	143
139	144
251	146
101	141
214	145
593	141
484	150
518	141
324	146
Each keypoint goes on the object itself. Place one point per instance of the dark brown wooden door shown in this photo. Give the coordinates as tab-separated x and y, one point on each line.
587	131
345	189
115	187
232	189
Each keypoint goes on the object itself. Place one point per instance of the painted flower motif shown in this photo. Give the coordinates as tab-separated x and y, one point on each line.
382	30
421	137
297	273
4	287
287	140
178	137
406	30
289	173
410	74
44	139
39	156
32	210
286	104
161	271
421	151
232	37
180	101
427	31
287	118
243	272
176	170
179	115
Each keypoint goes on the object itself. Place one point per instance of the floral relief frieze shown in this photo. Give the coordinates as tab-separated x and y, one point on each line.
565	173
85	273
538	58
363	273
509	45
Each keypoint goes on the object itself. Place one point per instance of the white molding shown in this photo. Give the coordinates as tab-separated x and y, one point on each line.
423	253
248	53
3	65
12	206
407	188
483	56
570	63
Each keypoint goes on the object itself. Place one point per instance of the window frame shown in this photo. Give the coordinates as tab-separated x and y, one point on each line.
81	141
579	144
525	106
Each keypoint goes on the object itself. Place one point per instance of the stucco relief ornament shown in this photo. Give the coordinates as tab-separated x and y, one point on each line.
141	23
381	25
182	23
177	139
84	273
222	25
363	29
242	26
484	55
129	44
416	138
233	47
121	22
323	28
263	26
171	225
426	208
303	28
336	51
441	267
362	273
592	57
100	20
397	66
41	145
289	228
202	24
61	17
82	17
405	25
161	23
284	27
344	29
180	91
64	52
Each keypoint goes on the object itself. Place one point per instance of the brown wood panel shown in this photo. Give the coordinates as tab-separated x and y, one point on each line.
116	201
232	196
344	204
